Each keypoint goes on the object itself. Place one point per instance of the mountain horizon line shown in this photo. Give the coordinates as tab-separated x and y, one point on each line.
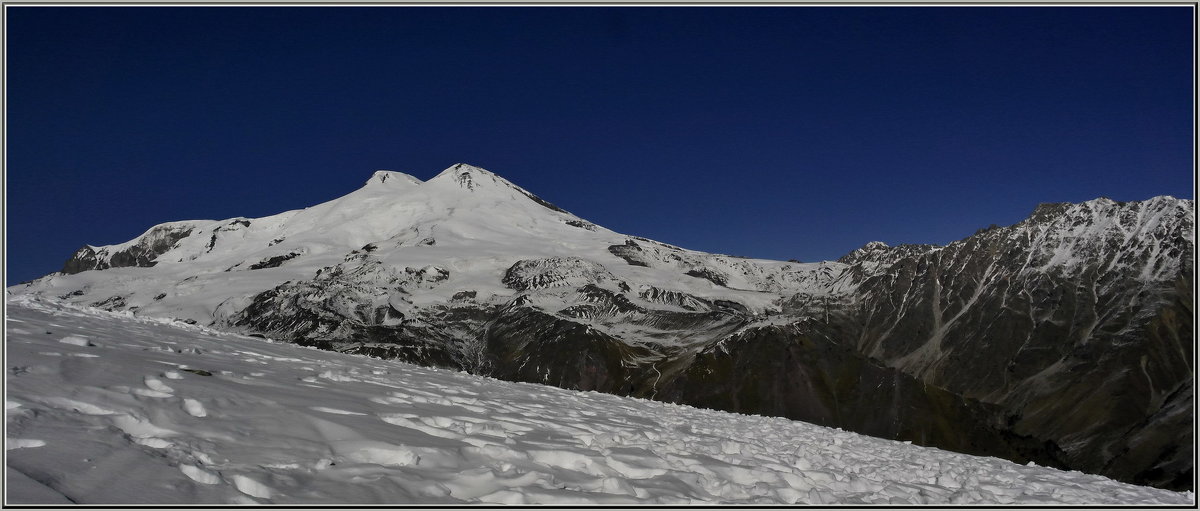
393	178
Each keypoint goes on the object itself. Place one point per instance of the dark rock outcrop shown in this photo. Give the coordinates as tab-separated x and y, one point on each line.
143	253
273	262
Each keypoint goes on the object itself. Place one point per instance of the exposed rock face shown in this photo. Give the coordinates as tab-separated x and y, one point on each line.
707	274
339	311
785	371
1076	320
142	253
274	261
631	252
527	275
1065	339
525	344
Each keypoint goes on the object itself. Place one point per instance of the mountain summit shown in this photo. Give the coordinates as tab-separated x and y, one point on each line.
1065	339
392	178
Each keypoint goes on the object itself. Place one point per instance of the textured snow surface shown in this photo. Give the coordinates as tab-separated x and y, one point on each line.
152	412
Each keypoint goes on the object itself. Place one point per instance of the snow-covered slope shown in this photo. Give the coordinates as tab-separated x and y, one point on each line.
1065	339
466	224
104	408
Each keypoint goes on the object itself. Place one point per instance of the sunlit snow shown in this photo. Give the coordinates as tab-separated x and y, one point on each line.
145	411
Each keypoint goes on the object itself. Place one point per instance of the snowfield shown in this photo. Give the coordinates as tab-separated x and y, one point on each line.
103	407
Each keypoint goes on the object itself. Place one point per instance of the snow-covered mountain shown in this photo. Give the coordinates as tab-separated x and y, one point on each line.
102	408
1065	339
462	231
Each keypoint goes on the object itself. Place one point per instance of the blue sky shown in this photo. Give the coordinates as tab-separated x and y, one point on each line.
793	132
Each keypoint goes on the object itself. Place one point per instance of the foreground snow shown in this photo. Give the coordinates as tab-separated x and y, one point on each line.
102	408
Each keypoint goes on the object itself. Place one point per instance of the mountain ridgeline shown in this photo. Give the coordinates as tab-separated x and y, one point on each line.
1065	339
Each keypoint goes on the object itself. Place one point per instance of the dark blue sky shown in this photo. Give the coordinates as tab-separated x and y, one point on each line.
781	133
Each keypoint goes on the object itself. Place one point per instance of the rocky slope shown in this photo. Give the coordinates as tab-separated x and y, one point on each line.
1078	320
1065	339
